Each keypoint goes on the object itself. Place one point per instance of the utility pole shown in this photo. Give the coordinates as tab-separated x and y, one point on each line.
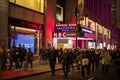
76	14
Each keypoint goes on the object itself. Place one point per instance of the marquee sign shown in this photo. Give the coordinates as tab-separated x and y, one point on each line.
65	27
64	34
87	30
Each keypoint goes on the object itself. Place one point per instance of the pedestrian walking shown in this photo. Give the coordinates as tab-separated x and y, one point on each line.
85	63
52	55
29	59
105	60
4	57
65	62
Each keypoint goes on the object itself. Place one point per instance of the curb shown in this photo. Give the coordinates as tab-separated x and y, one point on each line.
37	73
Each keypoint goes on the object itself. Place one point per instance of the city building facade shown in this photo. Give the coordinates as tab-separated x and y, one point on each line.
45	23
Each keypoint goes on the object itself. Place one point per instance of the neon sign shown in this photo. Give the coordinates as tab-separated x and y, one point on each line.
64	34
59	34
86	30
65	27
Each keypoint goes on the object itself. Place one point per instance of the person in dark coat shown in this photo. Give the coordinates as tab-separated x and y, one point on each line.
29	58
14	57
23	54
65	62
52	55
4	57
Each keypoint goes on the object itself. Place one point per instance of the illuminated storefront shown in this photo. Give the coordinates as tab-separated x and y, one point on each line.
25	23
25	33
102	34
64	36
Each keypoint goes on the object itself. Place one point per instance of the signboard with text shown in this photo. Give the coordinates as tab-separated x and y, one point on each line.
65	27
64	34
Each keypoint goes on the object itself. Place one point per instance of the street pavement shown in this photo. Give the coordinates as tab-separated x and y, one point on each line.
75	75
41	71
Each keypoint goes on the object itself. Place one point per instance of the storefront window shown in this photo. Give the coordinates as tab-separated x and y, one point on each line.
91	44
27	40
37	5
91	25
29	37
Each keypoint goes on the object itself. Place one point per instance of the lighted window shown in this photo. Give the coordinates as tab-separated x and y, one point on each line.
100	29
104	31
82	22
93	26
109	34
37	5
12	1
59	13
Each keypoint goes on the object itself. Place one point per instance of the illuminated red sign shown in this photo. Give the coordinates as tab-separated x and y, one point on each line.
89	35
64	34
59	34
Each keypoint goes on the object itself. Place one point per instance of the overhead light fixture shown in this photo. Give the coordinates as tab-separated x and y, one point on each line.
23	29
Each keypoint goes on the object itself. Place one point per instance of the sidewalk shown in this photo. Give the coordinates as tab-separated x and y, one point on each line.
37	69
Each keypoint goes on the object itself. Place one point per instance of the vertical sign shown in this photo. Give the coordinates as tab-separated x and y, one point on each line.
81	9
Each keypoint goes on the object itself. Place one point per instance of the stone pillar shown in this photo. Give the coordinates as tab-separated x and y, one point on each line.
4	22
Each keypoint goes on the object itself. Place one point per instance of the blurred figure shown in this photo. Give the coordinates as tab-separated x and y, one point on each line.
85	63
60	52
4	57
117	60
29	58
0	60
91	53
65	62
105	60
52	55
97	58
14	57
23	54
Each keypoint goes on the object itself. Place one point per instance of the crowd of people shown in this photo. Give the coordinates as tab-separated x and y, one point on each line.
16	55
86	60
89	59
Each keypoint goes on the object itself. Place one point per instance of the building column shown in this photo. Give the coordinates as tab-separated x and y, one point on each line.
83	44
102	36
96	35
4	22
49	22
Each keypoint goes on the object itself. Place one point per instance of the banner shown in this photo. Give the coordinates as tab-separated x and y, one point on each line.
81	9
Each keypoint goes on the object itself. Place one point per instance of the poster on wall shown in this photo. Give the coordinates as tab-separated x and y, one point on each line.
27	40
